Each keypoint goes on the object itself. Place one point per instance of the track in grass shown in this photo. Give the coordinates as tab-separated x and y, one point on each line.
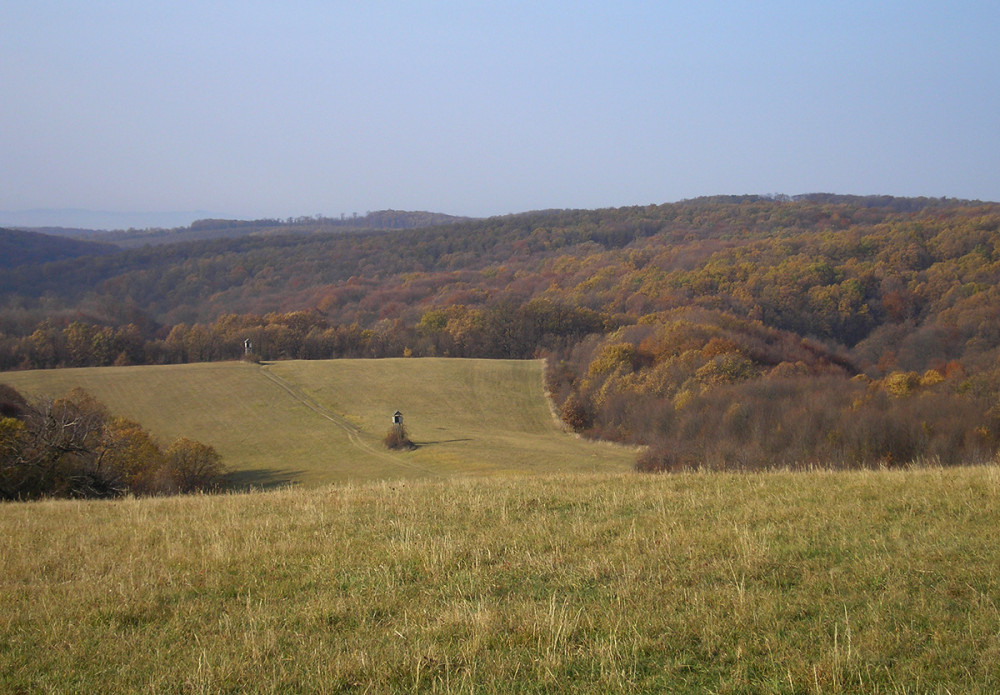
352	432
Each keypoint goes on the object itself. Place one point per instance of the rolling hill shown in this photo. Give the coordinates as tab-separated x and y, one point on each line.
22	248
316	422
728	332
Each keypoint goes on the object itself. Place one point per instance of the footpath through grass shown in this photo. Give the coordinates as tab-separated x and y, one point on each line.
875	582
317	422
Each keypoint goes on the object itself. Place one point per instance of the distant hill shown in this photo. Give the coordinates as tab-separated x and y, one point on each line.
205	229
215	267
20	248
157	229
740	331
68	220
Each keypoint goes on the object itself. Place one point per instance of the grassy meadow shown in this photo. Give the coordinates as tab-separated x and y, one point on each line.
449	570
318	422
875	582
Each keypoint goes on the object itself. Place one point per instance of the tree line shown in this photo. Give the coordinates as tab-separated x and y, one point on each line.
501	330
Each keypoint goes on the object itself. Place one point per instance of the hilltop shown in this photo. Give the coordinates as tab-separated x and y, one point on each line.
205	228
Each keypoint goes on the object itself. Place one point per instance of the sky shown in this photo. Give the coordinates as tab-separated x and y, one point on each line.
276	109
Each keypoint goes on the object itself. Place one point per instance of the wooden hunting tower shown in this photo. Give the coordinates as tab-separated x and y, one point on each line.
397	423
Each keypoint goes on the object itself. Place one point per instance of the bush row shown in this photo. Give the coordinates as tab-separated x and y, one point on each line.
72	447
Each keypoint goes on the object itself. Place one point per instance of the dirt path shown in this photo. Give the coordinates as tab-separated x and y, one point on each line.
353	433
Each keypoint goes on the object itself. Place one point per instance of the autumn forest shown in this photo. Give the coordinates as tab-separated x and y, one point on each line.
723	333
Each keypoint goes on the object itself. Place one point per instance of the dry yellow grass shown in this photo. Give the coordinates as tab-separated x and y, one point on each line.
875	582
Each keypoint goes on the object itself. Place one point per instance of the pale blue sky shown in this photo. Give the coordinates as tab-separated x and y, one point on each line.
250	109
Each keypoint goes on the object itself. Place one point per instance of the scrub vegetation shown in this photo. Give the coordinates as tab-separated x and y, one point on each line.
72	446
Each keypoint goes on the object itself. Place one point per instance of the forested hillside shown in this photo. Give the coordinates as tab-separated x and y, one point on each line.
725	331
19	248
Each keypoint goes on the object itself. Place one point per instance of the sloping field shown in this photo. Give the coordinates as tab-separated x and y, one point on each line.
315	422
864	582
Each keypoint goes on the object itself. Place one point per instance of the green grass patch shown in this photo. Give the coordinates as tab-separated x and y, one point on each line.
316	422
876	582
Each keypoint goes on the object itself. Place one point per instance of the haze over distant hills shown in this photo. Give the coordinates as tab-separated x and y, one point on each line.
19	247
76	219
215	227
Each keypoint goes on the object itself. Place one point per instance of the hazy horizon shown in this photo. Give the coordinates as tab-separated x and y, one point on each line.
259	110
109	220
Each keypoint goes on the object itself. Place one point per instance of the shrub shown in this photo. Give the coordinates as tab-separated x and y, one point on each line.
130	457
193	466
12	403
398	439
663	459
576	413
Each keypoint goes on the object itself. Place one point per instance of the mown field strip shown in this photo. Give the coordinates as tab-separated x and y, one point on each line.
352	432
318	422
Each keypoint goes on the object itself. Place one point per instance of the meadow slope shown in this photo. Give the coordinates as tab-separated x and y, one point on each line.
874	581
316	422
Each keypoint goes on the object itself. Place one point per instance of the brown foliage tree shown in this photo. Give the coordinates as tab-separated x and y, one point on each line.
72	447
193	466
